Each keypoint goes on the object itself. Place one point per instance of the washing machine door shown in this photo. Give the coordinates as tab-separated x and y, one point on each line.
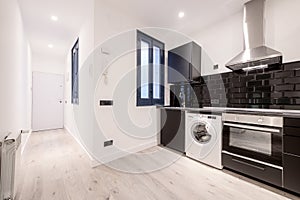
204	136
200	133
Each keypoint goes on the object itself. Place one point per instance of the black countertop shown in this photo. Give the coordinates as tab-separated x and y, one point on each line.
252	111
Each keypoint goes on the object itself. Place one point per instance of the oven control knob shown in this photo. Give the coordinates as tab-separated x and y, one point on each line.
260	120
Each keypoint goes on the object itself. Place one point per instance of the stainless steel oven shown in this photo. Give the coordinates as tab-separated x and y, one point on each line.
252	144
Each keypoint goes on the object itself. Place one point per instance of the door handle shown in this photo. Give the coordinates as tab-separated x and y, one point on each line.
255	128
251	165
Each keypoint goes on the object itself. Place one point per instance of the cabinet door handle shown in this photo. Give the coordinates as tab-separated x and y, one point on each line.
251	165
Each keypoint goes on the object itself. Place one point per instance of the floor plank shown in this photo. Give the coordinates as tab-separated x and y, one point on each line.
55	167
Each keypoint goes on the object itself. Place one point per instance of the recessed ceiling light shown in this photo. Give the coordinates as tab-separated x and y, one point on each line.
54	18
50	46
181	14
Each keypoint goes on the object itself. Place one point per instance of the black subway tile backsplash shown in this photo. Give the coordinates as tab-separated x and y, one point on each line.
284	74
215	86
235	80
292	80
297	101
276	106
264	76
234	90
244	78
266	82
266	95
239	95
275	81
284	101
250	89
292	94
263	88
255	95
263	101
277	87
234	101
292	66
291	107
284	88
277	94
245	101
255	83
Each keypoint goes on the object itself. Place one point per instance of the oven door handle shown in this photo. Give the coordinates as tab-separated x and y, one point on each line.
256	128
248	164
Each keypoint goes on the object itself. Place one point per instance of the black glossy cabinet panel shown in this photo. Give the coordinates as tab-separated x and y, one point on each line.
292	122
173	129
292	131
253	169
184	63
291	172
291	154
291	145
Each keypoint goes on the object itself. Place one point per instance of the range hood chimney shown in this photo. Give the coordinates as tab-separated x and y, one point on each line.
255	55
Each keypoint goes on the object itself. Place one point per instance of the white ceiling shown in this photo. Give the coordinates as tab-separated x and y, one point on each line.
41	30
198	13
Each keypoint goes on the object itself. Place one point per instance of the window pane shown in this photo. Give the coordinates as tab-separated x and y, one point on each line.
144	70
75	85
156	72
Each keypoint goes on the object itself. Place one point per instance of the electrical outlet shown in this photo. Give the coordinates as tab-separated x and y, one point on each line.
108	143
106	102
215	101
25	131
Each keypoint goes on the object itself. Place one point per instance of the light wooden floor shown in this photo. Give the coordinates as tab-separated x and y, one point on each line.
55	167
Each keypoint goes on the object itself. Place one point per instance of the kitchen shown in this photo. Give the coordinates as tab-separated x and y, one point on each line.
256	103
151	107
208	106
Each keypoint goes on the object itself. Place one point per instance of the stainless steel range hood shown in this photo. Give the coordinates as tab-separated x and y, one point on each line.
256	54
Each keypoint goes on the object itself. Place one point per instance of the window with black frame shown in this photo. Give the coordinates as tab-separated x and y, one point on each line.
75	80
150	70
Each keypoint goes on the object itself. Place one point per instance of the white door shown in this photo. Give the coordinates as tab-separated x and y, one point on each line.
47	101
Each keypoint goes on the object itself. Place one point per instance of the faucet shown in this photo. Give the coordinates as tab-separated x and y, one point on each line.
182	98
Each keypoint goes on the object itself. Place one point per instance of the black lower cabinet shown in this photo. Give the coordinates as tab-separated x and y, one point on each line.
291	172
291	154
173	129
253	169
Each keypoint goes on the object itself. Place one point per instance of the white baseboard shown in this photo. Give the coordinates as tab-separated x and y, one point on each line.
120	154
24	140
113	156
81	145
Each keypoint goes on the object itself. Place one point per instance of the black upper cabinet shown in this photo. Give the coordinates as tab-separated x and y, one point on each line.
184	63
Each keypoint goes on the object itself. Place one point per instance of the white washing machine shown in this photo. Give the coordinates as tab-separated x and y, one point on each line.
203	138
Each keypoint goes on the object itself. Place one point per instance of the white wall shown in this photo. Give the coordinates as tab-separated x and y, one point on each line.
105	23
27	93
224	40
15	76
86	46
221	42
46	64
283	27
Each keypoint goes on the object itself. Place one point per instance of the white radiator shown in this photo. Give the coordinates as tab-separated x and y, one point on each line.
9	165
